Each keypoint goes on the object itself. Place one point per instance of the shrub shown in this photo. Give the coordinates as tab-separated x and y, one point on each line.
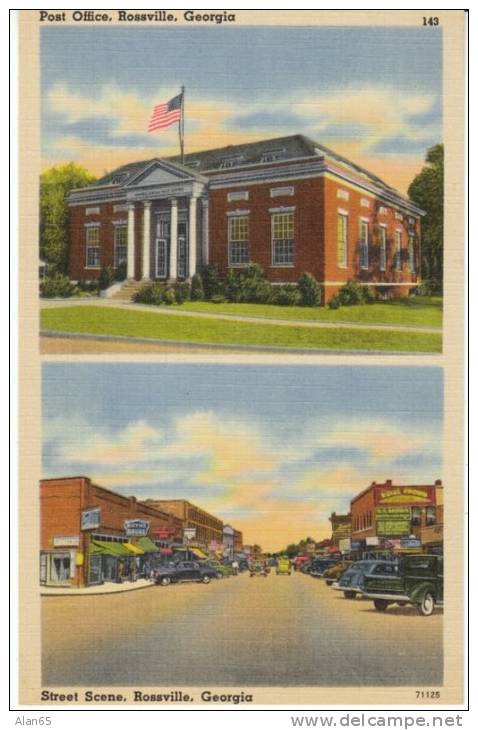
248	285
182	292
286	295
334	302
56	285
429	287
211	281
169	297
197	289
350	293
310	293
106	277
91	287
369	294
144	295
218	299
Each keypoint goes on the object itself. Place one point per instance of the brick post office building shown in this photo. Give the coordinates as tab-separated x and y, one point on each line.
287	204
86	533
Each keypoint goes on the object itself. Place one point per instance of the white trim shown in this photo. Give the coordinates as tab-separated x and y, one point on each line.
282	209
343	194
234	195
365	203
232	213
342	211
288	190
365	220
363	244
96	224
92	210
122	222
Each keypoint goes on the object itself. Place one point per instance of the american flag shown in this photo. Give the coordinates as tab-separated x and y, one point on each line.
163	115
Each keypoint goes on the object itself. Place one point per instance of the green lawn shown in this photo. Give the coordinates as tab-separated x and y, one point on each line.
157	326
418	311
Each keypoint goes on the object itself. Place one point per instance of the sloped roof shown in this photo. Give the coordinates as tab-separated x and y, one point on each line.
250	153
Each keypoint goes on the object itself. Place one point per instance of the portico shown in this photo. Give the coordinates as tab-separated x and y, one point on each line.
164	219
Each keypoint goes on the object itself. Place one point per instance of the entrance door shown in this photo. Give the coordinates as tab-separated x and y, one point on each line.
182	250
163	231
60	568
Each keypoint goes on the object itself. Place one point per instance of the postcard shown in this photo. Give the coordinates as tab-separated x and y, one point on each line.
241	392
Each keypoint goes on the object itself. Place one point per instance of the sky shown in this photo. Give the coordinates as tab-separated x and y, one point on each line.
272	450
372	94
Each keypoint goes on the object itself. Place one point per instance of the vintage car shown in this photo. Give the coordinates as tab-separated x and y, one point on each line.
222	570
184	572
284	566
333	573
319	565
417	579
351	582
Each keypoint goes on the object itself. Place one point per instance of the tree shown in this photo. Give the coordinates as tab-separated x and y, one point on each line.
55	184
426	191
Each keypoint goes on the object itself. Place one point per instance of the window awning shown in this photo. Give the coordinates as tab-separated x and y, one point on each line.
147	545
134	549
105	547
198	553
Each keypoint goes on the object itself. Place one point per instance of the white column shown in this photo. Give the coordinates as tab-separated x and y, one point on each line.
146	239
192	237
205	231
130	258
173	242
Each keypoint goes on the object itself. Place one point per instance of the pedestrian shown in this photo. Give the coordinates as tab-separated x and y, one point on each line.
132	576
235	567
119	574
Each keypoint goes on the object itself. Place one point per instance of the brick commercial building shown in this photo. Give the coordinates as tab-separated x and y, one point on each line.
209	529
287	204
389	515
90	535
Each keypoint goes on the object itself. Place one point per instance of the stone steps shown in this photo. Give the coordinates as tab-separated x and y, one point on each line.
128	290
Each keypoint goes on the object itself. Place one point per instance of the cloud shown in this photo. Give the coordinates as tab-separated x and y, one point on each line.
104	127
136	443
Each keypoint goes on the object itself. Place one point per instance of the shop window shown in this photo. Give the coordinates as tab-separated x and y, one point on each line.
416	516
431	516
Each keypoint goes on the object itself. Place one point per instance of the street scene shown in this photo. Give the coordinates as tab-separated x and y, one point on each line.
229	526
280	630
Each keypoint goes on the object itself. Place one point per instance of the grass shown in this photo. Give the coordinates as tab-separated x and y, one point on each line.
157	326
414	311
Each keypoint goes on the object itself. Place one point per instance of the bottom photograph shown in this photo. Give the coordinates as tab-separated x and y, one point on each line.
240	525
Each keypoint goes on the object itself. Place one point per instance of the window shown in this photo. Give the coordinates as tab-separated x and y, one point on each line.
92	211
416	516
272	155
382	242
382	210
277	192
237	195
343	194
398	250
431	516
342	241
238	235
365	202
282	239
230	161
93	247
121	245
363	244
411	253
398	216
120	207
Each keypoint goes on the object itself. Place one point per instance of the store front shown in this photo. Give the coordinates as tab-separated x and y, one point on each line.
56	568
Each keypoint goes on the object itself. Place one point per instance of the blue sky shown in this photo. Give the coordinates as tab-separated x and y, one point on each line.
274	450
374	94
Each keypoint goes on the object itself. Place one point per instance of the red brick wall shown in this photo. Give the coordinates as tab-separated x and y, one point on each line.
106	216
307	200
335	274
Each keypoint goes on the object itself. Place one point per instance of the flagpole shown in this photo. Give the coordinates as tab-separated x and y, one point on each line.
181	127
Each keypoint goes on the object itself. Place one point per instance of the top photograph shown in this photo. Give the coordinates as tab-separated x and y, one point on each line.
260	189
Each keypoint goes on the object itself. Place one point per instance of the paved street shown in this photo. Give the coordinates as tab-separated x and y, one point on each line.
279	630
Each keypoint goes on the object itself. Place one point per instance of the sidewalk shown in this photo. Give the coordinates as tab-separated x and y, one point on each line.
96	590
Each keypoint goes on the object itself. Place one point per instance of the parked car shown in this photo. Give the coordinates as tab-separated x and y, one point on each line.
319	565
284	566
352	580
332	574
417	579
183	572
222	570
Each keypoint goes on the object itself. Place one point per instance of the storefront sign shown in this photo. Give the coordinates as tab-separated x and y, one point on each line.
136	528
393	521
67	541
189	533
357	544
90	518
410	495
163	533
345	545
372	541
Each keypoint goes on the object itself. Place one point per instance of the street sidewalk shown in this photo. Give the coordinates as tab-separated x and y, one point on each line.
96	590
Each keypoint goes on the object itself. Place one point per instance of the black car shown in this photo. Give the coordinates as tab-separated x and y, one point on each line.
318	566
183	572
